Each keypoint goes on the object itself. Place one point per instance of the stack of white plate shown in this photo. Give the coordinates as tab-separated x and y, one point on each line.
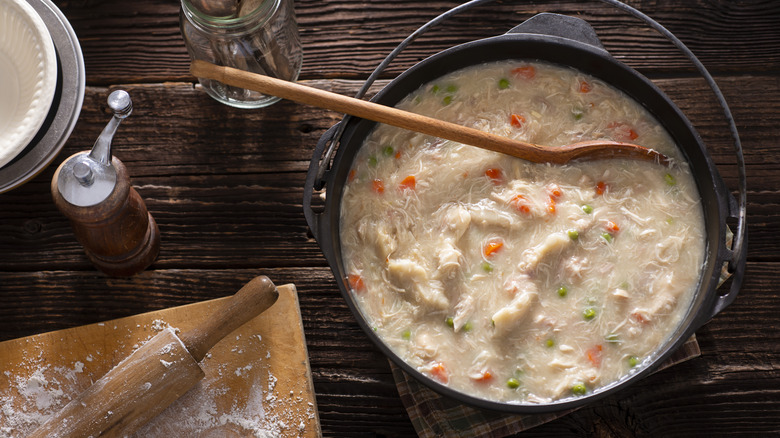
41	87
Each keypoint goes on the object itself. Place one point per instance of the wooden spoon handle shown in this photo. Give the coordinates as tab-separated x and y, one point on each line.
369	110
254	298
415	122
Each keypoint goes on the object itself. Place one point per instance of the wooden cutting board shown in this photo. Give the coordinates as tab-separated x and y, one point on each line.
258	381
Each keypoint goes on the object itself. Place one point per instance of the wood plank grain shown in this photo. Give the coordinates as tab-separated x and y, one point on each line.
140	41
732	390
226	185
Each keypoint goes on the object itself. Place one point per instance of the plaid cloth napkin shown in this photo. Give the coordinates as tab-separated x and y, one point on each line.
435	416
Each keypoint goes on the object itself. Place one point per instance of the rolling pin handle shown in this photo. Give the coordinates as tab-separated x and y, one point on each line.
254	298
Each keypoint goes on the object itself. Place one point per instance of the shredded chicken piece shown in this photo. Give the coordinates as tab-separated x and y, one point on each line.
456	221
487	216
449	259
378	235
411	277
509	316
424	347
552	244
463	311
575	267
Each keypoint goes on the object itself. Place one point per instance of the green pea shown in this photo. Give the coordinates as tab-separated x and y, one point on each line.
587	209
503	83
573	234
447	100
406	335
562	291
608	237
549	343
372	161
670	180
632	361
388	151
467	327
579	389
450	321
435	89
452	88
577	113
513	383
487	267
589	313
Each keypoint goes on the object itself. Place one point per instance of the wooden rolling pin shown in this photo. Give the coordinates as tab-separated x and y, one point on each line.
156	374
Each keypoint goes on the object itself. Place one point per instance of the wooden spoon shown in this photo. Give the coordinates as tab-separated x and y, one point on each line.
586	150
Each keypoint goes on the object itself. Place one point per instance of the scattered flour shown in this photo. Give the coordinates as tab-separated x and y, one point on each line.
259	412
159	325
30	399
242	370
256	413
167	348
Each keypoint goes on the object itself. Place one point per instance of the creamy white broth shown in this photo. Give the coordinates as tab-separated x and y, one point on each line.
514	281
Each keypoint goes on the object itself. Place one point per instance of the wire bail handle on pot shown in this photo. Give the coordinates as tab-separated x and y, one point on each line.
110	220
735	255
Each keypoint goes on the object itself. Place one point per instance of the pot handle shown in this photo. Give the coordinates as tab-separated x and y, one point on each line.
564	26
315	179
735	260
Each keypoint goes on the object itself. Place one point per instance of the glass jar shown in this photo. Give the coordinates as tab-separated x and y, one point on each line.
260	36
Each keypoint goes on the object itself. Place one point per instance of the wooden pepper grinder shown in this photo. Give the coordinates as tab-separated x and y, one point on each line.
109	218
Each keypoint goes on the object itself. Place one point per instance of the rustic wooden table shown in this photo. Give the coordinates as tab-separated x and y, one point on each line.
226	186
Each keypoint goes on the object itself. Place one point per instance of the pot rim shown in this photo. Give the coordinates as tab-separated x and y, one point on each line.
707	301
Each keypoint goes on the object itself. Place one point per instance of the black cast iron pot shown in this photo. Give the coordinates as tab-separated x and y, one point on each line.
565	41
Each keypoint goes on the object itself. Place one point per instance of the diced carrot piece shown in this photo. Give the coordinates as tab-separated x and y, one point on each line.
356	283
492	247
601	187
525	72
611	227
551	205
352	174
408	183
622	131
398	155
639	317
554	191
495	175
484	377
378	186
517	120
584	87
594	355
521	204
439	371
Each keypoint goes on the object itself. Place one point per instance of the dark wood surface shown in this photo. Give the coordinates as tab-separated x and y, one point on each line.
226	188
